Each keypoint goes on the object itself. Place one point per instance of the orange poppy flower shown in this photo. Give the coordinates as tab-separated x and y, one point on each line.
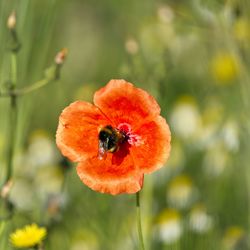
116	140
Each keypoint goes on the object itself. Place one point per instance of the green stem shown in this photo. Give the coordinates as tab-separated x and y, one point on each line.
35	86
26	90
138	214
6	94
53	76
12	117
13	70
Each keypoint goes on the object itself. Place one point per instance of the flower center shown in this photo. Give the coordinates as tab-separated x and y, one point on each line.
131	138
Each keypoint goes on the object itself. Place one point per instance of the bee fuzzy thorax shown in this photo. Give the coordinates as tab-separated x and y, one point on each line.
111	138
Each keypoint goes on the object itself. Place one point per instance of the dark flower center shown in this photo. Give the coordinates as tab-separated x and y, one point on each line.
112	139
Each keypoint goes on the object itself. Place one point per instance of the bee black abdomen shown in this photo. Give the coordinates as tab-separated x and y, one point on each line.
108	138
112	144
103	135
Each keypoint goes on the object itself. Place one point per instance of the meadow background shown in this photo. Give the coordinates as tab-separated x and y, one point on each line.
194	58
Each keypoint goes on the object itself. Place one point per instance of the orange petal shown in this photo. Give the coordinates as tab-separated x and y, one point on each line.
114	175
77	132
154	150
124	103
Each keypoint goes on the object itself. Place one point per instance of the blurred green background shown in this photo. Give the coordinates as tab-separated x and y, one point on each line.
194	58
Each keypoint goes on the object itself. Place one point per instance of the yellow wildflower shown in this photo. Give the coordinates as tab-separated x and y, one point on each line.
168	215
28	236
225	68
233	236
241	30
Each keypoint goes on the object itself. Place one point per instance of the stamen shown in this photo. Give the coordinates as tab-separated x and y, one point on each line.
132	139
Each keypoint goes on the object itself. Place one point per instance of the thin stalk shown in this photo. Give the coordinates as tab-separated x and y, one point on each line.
13	69
51	74
4	94
138	214
12	117
37	85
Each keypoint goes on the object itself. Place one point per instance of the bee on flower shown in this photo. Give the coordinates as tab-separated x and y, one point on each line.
29	236
181	192
116	140
169	226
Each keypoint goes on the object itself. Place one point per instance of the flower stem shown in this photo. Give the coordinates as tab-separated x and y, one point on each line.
12	117
139	227
13	69
52	74
35	86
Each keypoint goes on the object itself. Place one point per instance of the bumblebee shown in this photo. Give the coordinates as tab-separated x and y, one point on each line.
109	140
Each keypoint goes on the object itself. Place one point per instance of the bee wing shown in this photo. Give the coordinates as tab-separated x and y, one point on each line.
102	150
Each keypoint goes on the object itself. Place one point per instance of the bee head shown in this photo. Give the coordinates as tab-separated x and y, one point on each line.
105	133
